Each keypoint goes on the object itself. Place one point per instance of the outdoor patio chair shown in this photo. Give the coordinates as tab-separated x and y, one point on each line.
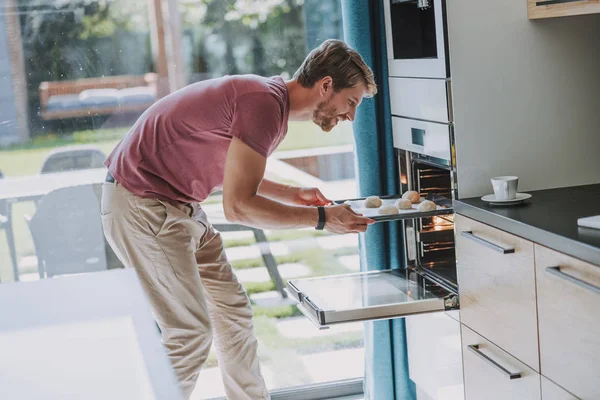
72	158
67	233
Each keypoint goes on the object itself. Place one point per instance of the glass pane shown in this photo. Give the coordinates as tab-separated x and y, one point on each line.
75	76
349	292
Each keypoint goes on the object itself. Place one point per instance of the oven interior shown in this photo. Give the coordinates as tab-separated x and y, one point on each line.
430	241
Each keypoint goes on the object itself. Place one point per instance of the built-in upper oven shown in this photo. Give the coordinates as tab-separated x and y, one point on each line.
416	32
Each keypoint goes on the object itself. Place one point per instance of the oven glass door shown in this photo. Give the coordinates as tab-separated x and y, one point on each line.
367	296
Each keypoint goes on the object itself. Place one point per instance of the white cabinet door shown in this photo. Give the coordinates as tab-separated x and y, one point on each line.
569	321
434	356
551	391
491	373
496	280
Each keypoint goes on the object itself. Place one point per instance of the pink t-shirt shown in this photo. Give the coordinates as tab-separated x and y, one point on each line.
177	148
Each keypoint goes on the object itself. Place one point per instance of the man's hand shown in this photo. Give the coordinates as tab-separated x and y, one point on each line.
309	197
342	219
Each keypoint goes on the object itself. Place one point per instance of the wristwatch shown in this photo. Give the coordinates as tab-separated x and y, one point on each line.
321	223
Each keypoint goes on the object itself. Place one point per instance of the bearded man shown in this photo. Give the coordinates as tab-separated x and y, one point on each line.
217	135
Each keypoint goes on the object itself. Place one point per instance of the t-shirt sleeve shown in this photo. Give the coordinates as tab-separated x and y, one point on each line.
257	120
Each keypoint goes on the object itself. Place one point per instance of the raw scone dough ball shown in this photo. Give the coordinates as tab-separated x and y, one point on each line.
388	210
426	205
414	197
403	204
373	202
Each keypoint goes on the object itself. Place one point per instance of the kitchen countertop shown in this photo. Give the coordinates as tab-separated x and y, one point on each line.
549	218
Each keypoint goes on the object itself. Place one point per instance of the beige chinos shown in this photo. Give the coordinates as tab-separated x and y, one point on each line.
196	297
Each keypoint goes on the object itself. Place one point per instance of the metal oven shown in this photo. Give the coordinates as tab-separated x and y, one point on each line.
427	285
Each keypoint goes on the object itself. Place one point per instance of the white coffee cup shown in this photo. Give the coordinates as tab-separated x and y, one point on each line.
505	187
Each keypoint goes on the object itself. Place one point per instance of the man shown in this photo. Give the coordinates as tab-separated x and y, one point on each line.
217	134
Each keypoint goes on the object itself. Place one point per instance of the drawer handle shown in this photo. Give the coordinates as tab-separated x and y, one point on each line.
493	246
511	375
557	272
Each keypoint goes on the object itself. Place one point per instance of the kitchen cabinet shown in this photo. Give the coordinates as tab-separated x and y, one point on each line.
568	292
434	356
491	373
561	8
551	391
519	299
496	280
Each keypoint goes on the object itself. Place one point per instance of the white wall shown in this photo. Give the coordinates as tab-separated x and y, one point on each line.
526	96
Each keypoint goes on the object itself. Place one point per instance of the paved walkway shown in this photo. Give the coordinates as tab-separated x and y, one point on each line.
283	248
320	367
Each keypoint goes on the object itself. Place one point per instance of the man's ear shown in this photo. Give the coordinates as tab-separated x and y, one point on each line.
326	85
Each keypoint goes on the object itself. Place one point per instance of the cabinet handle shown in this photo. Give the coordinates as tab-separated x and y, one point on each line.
493	246
511	375
557	272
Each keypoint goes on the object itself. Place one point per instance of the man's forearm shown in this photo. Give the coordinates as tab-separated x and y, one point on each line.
262	212
277	191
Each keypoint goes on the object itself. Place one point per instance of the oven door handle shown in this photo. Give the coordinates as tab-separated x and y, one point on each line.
486	243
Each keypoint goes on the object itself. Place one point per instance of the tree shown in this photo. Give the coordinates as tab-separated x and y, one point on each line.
68	39
264	37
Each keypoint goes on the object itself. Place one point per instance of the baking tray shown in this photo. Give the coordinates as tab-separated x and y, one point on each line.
444	206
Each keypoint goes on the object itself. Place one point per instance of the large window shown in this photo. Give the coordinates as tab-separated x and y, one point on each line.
76	75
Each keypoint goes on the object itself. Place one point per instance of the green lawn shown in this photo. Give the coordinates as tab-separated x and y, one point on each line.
29	161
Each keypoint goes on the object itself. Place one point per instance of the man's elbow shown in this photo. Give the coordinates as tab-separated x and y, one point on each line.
234	213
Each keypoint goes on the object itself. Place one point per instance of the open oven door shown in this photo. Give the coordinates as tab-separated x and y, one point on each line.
368	296
374	295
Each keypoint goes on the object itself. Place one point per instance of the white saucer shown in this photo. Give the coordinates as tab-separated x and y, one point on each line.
521	197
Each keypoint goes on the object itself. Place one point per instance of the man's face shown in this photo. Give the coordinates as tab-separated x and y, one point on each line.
339	106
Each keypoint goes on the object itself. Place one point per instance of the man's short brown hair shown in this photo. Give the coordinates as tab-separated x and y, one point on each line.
335	59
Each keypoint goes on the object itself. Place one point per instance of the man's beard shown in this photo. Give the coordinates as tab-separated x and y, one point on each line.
325	116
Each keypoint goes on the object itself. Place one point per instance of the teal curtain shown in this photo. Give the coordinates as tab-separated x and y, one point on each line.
386	362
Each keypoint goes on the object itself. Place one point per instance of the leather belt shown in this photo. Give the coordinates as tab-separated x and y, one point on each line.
110	178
